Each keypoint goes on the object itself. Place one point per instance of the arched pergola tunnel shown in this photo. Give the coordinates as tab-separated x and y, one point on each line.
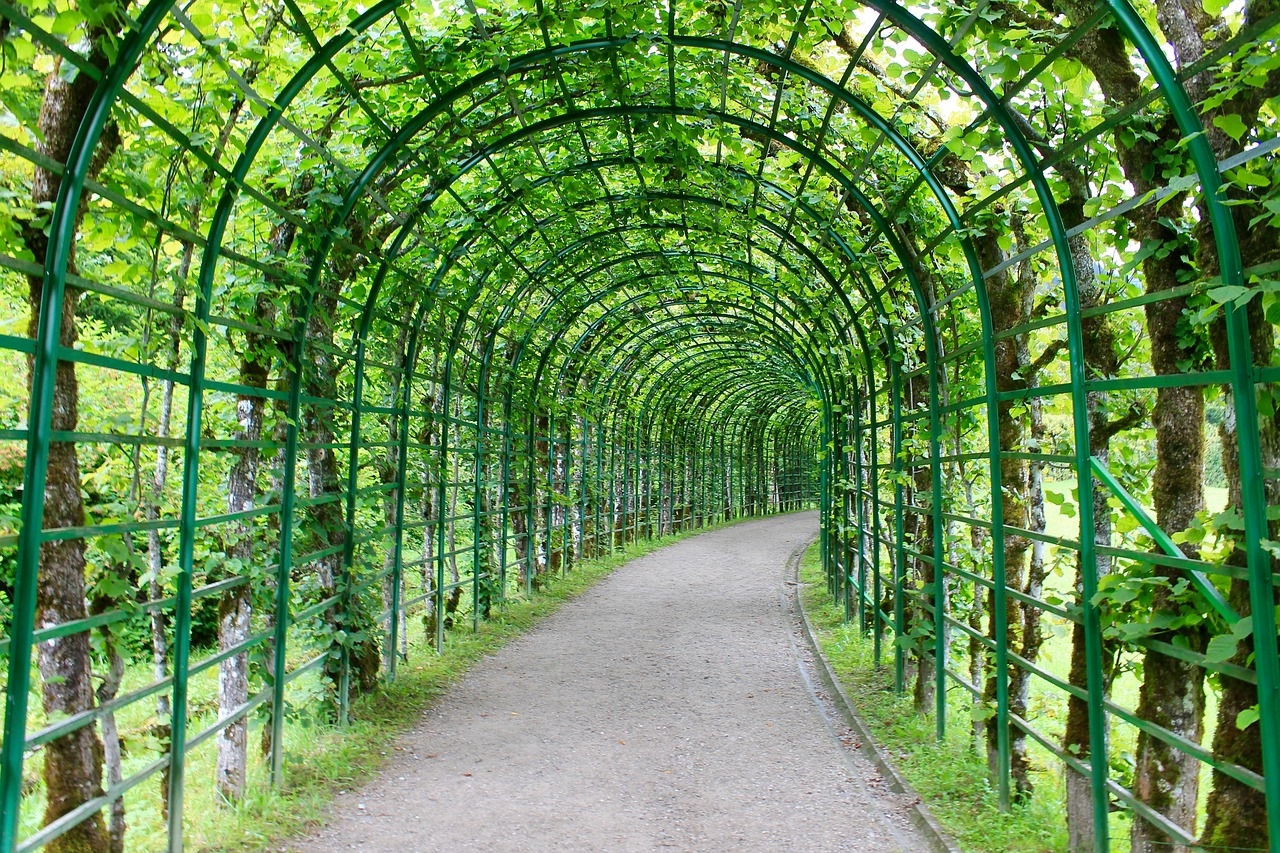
426	304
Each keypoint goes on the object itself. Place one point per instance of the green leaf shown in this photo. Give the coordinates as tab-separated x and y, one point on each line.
1231	125
1247	718
1180	184
1220	649
1124	595
66	21
1228	293
1186	140
1250	179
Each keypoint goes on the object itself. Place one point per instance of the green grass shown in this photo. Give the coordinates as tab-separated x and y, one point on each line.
952	779
320	759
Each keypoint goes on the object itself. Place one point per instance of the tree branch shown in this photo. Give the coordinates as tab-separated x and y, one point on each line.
1045	358
1136	416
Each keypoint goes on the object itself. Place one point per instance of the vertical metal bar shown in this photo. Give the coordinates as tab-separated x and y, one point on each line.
646	469
441	503
824	504
504	491
600	490
552	457
186	551
613	491
477	519
288	493
582	489
550	482
877	532
840	509
566	535
626	482
939	552
859	476
40	420
663	483
349	541
900	555
402	468
641	502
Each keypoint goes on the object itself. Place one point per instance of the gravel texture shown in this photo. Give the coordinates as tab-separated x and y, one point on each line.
667	708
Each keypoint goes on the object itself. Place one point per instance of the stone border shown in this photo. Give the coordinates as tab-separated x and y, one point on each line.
919	813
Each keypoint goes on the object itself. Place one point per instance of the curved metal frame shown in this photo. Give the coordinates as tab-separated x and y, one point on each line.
698	399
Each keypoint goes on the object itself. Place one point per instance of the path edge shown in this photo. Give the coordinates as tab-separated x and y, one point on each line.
918	813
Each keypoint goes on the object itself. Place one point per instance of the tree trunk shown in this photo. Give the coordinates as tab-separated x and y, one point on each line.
73	762
361	657
1172	692
112	756
539	517
1032	638
427	569
451	530
977	666
155	559
389	472
155	549
1101	361
105	693
430	437
1237	815
235	606
921	495
1010	299
557	492
279	435
977	654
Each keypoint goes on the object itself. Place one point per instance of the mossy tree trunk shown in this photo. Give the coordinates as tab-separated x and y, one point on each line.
1101	361
1010	297
1172	691
920	531
1236	814
919	502
342	622
235	605
73	762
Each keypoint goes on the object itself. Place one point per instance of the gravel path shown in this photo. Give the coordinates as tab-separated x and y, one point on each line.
667	708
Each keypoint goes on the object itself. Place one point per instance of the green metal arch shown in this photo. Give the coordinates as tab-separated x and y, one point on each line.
47	357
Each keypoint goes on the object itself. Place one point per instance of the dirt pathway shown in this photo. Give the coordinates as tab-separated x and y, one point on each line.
665	709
